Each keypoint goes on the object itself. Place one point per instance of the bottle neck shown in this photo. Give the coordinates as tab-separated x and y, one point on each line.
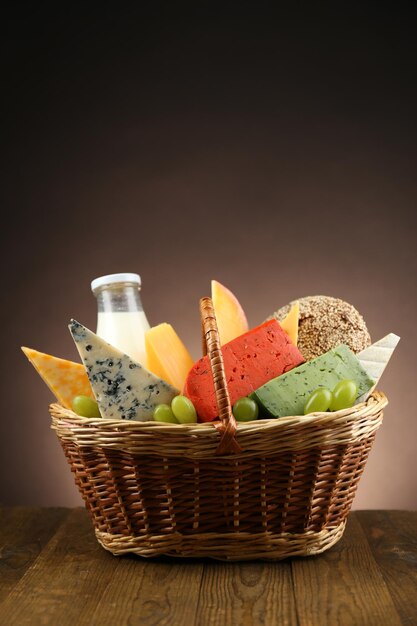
120	298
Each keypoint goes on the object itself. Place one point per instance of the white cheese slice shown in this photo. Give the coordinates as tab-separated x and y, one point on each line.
374	359
123	388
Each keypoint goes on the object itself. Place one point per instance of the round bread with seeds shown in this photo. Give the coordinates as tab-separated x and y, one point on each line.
325	323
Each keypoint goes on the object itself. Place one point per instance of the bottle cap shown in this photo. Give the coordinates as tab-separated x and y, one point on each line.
111	279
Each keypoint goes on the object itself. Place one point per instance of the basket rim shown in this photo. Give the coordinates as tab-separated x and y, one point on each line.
260	438
376	401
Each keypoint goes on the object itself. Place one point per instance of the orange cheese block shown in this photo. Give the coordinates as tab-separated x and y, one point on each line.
167	357
231	318
65	379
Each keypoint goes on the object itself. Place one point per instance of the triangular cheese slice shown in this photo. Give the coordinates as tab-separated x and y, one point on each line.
290	323
123	388
65	379
374	359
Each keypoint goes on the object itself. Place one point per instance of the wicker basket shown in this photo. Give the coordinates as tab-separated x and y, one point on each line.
267	489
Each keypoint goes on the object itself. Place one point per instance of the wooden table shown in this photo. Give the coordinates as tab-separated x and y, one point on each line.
53	571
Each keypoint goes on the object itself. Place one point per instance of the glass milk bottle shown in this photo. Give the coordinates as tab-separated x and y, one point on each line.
121	320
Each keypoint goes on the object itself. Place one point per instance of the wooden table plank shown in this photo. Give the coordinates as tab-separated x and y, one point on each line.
150	593
76	581
344	585
23	534
247	593
392	536
55	572
67	580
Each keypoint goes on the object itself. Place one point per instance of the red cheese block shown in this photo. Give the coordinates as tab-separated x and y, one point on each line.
250	360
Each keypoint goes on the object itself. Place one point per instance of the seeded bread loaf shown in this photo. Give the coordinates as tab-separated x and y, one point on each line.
325	323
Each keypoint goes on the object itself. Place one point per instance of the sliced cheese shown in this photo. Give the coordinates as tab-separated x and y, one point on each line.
290	322
123	388
230	316
65	379
167	357
374	359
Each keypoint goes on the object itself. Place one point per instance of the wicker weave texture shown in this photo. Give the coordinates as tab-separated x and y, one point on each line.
155	488
227	547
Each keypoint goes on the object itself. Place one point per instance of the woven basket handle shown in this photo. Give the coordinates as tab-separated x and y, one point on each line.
211	347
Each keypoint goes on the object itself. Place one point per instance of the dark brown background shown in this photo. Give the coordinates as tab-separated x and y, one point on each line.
277	155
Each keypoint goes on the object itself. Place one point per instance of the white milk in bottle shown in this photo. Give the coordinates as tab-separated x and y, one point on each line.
121	320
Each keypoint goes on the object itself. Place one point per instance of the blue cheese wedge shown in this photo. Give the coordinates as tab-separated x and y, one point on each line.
374	359
123	388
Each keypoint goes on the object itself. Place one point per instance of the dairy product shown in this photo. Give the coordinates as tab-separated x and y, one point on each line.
375	358
288	394
121	320
249	361
125	330
230	316
123	388
167	356
290	322
65	379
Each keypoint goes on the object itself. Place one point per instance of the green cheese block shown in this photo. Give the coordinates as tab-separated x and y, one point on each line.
288	393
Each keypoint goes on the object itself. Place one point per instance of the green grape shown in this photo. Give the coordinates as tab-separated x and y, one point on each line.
163	413
319	401
184	410
245	410
344	395
85	406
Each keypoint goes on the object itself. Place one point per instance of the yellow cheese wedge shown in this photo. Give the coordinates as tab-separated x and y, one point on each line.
231	318
167	356
290	323
65	379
